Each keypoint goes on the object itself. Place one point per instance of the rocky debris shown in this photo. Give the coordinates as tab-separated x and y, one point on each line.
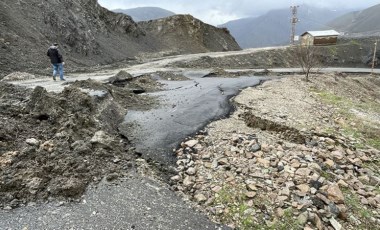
256	176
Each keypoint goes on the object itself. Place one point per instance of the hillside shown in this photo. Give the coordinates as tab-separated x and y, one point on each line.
187	33
88	35
273	28
145	13
365	21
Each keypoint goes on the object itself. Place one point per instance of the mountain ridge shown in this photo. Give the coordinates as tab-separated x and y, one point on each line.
273	28
145	13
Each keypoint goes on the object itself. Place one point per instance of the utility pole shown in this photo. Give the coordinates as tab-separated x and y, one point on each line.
374	56
293	21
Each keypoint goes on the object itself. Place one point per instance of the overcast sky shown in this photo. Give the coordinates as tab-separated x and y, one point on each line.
217	12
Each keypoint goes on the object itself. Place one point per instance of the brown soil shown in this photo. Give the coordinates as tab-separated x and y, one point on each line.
54	145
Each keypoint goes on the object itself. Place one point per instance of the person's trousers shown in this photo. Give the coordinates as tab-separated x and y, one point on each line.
58	67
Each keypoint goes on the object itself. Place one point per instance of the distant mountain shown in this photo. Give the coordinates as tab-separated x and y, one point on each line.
145	13
274	27
365	21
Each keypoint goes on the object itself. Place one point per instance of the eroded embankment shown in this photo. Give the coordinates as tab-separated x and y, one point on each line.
53	145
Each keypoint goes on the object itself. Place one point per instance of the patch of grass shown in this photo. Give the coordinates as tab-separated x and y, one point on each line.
330	98
243	217
326	175
286	222
358	210
233	199
355	42
355	125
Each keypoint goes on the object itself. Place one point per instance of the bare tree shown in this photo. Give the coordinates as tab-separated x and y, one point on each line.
308	58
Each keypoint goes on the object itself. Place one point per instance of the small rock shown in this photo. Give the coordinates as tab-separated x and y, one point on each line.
302	219
303	172
263	162
250	194
318	222
223	161
32	142
187	182
315	184
200	198
175	178
279	212
191	171
101	138
255	148
335	224
303	188
335	194
338	155
342	183
251	187
112	177
330	163
216	189
191	143
285	191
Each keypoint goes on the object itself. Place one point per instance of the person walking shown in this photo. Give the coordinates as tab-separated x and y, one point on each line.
56	60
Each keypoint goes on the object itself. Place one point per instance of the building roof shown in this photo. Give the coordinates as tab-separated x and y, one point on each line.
322	33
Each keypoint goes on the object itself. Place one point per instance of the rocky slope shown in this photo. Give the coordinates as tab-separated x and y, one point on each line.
187	34
88	34
295	155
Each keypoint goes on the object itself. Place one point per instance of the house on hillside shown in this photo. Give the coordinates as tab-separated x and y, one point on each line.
319	38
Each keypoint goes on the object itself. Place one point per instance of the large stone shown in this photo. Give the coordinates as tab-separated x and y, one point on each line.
335	194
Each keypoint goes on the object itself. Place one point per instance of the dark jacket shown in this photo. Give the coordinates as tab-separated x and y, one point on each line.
55	56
